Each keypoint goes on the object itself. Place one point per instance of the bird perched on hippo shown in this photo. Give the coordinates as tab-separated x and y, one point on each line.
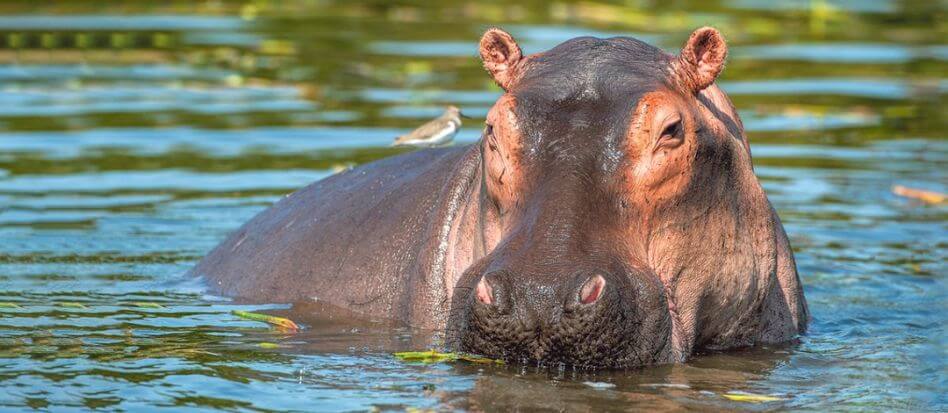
436	132
608	217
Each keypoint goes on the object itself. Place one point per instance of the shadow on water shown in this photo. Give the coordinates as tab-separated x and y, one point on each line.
135	136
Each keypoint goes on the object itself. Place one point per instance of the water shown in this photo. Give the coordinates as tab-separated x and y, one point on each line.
134	137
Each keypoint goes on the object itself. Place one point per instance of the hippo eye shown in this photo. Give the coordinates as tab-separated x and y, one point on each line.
672	135
489	133
672	130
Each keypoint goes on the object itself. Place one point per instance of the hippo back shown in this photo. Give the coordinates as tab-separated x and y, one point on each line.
351	239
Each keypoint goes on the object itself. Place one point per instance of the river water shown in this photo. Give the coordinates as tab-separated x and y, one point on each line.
135	135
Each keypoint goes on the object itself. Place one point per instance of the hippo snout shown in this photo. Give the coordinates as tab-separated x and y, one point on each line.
592	318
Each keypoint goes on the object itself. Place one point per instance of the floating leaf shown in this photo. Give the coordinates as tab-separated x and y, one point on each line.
750	398
470	358
268	345
9	305
432	356
72	305
426	357
928	197
269	319
147	305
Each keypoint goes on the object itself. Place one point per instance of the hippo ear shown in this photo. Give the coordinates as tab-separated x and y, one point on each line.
500	54
702	58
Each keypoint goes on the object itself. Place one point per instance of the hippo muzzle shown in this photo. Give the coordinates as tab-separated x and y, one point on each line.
588	318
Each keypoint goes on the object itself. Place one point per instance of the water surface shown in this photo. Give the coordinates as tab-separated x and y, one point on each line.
134	137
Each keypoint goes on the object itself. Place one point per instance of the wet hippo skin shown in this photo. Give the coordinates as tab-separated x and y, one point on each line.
609	216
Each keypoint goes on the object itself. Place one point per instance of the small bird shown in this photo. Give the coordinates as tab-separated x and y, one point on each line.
439	131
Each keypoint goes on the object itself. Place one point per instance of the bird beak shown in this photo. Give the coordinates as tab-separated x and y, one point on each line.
464	116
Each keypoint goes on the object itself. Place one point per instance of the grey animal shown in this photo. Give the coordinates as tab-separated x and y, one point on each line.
608	217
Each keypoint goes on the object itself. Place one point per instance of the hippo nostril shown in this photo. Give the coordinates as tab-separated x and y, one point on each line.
592	289
485	293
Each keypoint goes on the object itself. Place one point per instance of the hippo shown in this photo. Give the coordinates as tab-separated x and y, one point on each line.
608	217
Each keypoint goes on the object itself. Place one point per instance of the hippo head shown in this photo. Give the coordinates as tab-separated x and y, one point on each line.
621	221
